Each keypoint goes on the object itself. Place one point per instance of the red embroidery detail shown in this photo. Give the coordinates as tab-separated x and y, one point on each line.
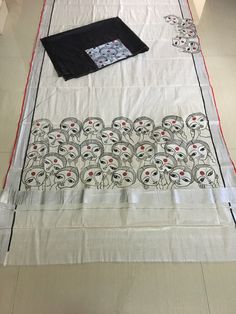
147	173
33	173
68	174
177	148
124	148
55	160
165	160
181	173
90	174
124	174
202	173
110	160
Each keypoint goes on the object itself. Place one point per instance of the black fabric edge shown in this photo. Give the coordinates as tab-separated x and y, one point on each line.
46	41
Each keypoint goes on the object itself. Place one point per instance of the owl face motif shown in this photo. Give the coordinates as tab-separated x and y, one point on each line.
197	121
173	123
164	162
70	151
57	137
92	176
122	124
192	47
186	23
143	125
41	127
53	162
176	149
116	44
149	176
198	150
108	52
181	176
179	41
123	150
95	52
101	61
172	19
67	177
205	176
109	136
144	150
92	125
72	126
37	150
109	162
188	32
123	177
91	150
162	135
34	177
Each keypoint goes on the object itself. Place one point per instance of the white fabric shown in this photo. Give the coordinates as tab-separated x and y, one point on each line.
134	224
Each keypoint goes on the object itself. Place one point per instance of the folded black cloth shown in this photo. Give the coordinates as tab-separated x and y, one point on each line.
89	48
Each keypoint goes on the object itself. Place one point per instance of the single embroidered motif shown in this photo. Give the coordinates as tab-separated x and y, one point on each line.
173	154
186	39
108	53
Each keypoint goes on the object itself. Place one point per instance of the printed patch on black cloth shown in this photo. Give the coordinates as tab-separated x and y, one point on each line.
89	48
174	153
108	53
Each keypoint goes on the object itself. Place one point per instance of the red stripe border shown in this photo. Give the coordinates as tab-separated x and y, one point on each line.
24	96
214	98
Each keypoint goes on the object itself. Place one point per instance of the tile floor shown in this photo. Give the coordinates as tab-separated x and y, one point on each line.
117	288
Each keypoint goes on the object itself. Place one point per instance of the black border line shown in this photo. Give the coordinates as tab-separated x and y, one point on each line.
33	112
232	214
213	143
204	105
36	96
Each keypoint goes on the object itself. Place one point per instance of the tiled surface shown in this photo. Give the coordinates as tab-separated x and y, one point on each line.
217	28
221	287
8	281
112	288
117	288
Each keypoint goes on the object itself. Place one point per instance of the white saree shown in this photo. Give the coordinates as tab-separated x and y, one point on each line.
125	164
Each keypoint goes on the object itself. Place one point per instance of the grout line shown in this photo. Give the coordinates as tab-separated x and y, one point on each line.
205	289
15	290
